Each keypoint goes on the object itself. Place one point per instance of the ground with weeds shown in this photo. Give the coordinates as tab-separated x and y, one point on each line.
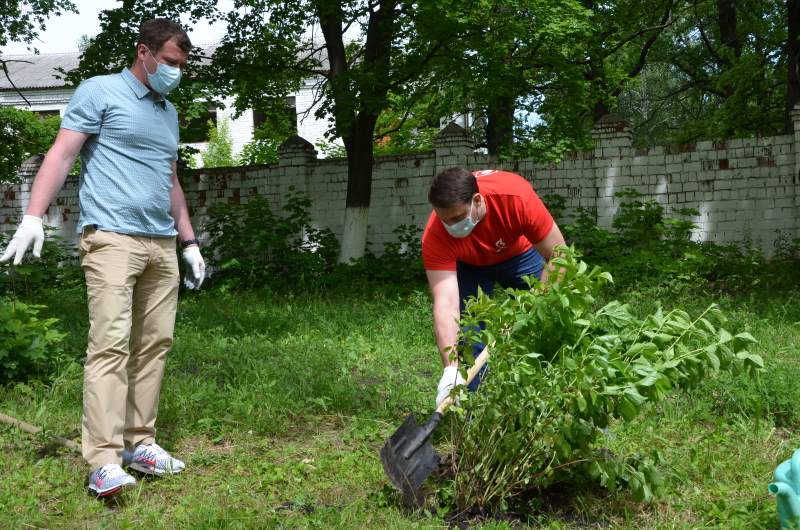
280	401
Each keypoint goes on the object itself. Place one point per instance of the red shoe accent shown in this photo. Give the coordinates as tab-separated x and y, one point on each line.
111	492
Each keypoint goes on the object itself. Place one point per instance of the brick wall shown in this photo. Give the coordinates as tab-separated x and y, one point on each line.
744	189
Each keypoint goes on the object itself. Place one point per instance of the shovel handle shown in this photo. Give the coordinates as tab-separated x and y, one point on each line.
471	373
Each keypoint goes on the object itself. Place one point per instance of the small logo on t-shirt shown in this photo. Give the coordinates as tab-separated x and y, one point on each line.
499	246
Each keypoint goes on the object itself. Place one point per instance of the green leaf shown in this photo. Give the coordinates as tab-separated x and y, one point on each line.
746	337
634	395
581	402
628	409
753	358
649	379
641	348
711	353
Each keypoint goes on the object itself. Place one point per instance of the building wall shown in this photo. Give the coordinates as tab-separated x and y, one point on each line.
241	127
309	126
40	100
744	189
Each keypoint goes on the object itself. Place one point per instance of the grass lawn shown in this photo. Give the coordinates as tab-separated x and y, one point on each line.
279	404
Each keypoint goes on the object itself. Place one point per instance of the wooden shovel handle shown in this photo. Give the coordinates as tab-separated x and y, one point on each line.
471	373
32	429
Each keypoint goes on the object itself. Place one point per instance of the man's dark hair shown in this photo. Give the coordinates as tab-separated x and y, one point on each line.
154	33
451	187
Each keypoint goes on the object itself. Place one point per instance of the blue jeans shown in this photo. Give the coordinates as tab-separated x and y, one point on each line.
509	273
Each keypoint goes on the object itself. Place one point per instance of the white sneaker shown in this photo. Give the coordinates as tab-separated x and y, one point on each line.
108	480
153	460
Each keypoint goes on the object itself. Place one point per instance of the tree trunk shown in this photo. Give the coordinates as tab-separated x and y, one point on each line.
792	60
726	11
500	124
599	110
359	189
360	134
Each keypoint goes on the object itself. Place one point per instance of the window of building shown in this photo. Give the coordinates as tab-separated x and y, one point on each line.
259	116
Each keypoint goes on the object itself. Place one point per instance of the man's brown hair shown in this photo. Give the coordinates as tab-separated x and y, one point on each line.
154	33
452	186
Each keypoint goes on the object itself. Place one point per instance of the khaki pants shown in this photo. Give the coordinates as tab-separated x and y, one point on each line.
132	290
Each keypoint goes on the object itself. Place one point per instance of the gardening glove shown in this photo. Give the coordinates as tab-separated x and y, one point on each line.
196	267
451	378
30	230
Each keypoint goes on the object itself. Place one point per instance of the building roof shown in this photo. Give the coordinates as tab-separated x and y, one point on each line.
40	71
37	71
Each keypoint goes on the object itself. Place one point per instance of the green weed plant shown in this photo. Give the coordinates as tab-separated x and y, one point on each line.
29	345
563	369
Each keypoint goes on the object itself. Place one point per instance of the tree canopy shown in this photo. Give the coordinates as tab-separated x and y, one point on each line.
532	76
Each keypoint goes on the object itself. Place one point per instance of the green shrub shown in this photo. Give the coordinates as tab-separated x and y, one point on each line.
647	247
29	346
22	135
562	369
397	269
252	246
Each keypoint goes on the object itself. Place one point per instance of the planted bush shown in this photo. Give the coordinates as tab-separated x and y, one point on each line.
561	370
29	346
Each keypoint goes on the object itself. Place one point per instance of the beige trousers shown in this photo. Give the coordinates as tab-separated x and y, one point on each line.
132	291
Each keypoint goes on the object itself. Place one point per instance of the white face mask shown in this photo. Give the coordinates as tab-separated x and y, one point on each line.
165	79
464	227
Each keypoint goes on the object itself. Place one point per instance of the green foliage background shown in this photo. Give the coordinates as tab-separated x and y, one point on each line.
22	135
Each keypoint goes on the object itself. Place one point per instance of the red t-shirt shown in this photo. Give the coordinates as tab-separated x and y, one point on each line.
515	219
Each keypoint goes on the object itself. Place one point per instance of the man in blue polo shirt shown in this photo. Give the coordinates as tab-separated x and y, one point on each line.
132	207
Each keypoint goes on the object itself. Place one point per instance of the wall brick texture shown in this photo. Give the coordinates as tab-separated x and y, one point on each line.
745	190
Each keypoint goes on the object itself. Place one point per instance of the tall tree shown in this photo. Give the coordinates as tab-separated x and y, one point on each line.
367	53
729	58
792	62
624	34
565	62
507	53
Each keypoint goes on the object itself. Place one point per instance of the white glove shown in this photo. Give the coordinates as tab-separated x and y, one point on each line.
30	230
196	267
451	378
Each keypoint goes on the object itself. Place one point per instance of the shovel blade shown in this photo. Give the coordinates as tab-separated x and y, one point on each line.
407	462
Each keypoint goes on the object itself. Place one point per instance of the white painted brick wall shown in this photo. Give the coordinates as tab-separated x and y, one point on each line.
743	189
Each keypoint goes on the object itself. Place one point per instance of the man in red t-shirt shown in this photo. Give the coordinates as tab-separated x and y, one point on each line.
486	227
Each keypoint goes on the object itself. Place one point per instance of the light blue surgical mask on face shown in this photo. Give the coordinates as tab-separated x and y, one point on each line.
464	227
165	79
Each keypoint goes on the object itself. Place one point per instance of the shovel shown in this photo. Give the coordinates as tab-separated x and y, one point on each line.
408	456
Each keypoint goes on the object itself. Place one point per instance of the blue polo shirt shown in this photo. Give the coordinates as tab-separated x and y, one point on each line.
126	164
